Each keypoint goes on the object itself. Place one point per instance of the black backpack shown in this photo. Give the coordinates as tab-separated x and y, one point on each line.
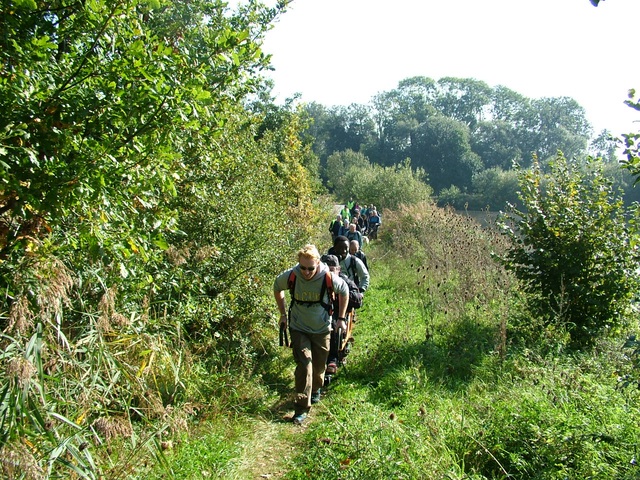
354	272
355	296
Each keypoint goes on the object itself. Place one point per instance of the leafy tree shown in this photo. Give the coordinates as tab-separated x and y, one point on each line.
337	166
553	124
507	105
604	145
389	187
497	143
337	129
495	188
442	148
397	114
571	248
463	99
631	142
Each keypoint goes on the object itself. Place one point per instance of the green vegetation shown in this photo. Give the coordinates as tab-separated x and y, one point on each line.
572	249
350	174
151	190
438	384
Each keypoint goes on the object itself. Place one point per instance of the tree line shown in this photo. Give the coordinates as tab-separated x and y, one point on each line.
463	135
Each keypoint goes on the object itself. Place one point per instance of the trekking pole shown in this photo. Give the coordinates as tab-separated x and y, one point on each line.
284	337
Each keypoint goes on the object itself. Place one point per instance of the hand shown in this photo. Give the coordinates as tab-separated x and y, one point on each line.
283	321
341	324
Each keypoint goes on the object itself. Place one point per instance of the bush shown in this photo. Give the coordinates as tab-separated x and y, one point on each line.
571	248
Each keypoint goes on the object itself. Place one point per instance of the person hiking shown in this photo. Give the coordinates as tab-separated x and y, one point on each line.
309	322
345	213
335	226
352	266
374	223
354	249
344	229
354	234
355	301
351	205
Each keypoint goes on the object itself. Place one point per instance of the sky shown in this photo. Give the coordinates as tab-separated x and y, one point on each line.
339	52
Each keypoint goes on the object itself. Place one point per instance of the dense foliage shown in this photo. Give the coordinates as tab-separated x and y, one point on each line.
143	170
350	174
631	142
572	248
454	129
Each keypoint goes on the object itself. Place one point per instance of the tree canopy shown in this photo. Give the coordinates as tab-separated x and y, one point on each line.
452	128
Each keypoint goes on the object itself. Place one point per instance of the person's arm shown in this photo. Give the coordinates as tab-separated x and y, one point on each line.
363	275
343	303
282	307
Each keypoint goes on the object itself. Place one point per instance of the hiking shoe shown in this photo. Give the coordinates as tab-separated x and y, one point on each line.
331	368
315	396
299	418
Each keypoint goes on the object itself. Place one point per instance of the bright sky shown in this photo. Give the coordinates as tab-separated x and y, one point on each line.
338	52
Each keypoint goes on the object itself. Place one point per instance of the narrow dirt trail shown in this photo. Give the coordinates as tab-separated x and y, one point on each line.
267	452
269	447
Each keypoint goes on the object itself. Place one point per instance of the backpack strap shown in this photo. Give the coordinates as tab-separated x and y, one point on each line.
352	267
327	287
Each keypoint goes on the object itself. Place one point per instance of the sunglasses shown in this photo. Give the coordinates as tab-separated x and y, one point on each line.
308	269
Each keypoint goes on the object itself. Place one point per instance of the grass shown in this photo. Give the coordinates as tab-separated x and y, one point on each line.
440	384
408	407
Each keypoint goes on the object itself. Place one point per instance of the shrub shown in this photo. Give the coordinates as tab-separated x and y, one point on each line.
571	248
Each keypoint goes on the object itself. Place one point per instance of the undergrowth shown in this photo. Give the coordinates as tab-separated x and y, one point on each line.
449	378
436	388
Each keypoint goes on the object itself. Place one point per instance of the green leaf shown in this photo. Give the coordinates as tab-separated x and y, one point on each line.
30	4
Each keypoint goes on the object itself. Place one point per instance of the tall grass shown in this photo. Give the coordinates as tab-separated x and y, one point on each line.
436	388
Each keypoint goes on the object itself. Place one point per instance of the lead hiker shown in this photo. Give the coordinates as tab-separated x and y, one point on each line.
312	288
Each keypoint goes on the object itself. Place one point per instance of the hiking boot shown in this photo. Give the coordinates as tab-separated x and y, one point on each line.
331	368
299	418
315	396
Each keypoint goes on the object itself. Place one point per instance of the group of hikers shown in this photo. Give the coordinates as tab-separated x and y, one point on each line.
324	290
356	222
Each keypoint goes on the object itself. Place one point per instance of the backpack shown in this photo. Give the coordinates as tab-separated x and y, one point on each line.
360	254
352	267
327	286
355	296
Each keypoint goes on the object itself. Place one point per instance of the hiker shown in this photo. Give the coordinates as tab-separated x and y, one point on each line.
374	224
351	205
354	234
355	301
345	213
352	266
311	287
344	229
335	226
359	221
354	249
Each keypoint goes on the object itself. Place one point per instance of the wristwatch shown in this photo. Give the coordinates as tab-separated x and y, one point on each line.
341	318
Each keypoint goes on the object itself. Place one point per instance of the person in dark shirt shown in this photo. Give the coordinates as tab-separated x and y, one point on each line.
354	249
